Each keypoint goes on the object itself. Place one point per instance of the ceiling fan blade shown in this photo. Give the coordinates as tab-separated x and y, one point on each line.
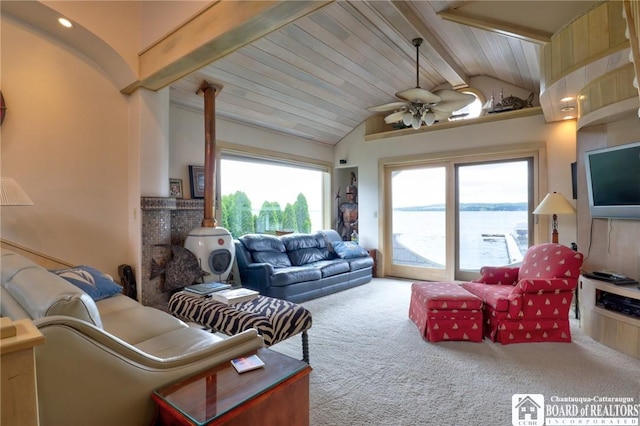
394	117
418	95
387	107
450	106
452	95
441	115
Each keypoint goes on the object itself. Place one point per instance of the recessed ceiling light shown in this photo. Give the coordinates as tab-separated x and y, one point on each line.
65	22
568	117
567	108
566	99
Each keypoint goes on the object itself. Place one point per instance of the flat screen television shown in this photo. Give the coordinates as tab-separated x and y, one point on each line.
613	181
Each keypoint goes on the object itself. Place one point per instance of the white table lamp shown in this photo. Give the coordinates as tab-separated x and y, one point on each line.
554	204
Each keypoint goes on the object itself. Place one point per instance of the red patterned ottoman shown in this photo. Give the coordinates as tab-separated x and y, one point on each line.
445	311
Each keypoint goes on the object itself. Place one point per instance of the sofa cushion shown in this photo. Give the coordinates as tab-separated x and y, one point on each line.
360	263
262	242
330	235
495	296
91	281
299	241
136	323
323	246
304	256
276	259
329	268
348	249
295	274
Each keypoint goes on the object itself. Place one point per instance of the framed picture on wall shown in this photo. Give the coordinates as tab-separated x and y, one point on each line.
175	188
196	175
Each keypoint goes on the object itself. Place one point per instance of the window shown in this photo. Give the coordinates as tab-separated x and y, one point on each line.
473	110
449	217
268	196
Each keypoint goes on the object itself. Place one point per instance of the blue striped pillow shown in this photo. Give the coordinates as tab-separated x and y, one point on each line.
93	282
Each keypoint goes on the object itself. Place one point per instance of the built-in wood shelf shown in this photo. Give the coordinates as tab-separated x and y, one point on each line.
376	128
614	329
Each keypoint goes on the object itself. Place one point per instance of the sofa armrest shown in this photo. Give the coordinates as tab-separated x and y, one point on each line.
501	275
41	293
257	276
107	381
544	285
541	298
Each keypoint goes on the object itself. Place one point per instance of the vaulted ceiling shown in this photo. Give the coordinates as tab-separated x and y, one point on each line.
315	77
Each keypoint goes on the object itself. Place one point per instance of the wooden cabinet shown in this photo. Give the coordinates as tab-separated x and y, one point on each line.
18	371
617	330
277	394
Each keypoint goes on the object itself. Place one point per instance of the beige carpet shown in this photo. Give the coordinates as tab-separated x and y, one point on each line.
371	367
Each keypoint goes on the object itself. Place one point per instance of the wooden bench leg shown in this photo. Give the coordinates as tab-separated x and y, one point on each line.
305	347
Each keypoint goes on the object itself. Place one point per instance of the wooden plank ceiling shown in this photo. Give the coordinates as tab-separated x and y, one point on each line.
314	78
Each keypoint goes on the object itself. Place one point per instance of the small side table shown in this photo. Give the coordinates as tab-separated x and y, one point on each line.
374	255
274	395
18	372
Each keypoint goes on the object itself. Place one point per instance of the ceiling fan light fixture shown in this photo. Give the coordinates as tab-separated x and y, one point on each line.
407	118
429	118
421	105
417	122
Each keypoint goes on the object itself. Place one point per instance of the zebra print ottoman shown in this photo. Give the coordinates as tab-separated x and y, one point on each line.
275	319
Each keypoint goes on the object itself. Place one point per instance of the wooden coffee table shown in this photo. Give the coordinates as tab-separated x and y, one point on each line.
277	394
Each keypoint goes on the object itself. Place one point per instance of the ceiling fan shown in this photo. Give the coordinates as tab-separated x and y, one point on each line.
422	106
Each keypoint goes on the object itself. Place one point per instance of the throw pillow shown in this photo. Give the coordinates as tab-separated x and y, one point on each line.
93	282
348	249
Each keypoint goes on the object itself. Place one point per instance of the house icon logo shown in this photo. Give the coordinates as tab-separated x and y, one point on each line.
527	410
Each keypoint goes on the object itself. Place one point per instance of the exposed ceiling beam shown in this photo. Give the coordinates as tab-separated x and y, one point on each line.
402	17
217	31
496	26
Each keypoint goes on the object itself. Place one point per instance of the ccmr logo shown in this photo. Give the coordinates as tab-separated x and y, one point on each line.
527	410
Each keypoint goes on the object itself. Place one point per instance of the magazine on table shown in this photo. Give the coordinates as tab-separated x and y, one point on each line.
234	295
206	288
247	363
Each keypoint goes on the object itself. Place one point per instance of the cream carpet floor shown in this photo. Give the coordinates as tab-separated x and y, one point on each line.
371	367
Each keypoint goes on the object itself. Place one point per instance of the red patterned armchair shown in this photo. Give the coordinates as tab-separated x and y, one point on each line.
529	303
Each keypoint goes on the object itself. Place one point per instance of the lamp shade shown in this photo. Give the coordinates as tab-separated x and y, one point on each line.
554	203
11	194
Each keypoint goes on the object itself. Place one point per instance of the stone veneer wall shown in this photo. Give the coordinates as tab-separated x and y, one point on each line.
164	221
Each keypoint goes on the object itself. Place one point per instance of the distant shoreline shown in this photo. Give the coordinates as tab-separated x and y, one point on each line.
470	207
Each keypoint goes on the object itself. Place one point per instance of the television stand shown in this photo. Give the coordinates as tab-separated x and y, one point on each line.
608	314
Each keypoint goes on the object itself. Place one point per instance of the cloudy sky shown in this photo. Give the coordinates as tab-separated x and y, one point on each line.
486	183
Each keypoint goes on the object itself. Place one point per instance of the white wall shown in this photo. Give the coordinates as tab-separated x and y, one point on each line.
65	140
560	139
187	142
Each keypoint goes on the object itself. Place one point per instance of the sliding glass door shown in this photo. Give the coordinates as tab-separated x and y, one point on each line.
493	202
419	221
448	219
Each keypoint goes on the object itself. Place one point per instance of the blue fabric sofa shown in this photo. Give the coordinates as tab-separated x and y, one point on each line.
299	267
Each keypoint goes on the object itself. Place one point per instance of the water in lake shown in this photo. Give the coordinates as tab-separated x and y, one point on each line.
485	236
